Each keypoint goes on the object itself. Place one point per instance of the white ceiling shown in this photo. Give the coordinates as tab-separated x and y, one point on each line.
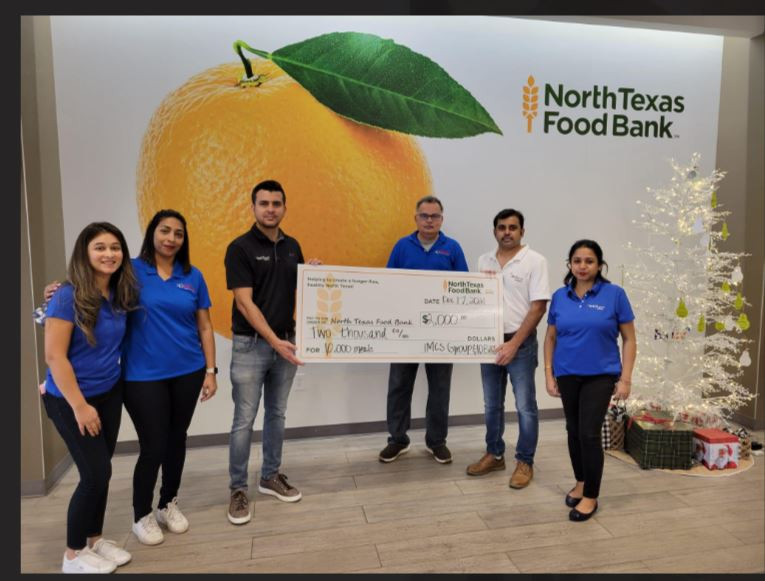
740	26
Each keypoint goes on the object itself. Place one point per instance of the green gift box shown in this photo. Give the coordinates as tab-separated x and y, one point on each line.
655	441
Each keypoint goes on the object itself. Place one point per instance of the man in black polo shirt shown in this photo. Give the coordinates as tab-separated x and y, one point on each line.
261	270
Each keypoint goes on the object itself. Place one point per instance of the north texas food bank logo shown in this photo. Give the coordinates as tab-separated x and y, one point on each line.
530	102
627	112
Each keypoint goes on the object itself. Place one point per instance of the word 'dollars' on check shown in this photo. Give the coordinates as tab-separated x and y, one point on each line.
357	314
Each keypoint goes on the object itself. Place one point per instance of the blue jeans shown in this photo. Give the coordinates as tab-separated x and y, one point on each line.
399	408
494	379
257	369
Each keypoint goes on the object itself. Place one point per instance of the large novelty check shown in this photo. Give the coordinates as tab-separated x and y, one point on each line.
356	314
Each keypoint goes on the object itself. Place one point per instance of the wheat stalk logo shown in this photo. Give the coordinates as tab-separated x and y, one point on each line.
328	305
530	102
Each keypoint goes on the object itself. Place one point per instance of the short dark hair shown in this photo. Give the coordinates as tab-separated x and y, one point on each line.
147	248
271	186
507	213
429	200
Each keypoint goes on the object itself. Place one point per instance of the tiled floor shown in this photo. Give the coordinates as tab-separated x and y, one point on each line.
416	516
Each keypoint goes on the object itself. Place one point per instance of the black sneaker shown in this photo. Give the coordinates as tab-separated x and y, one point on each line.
393	451
441	454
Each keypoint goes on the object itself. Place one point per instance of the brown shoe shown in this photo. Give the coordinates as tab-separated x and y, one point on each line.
486	464
522	475
278	486
239	507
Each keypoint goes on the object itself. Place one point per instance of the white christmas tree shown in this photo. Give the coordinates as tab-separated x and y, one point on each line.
689	311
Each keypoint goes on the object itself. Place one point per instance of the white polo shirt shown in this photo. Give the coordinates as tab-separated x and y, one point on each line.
524	278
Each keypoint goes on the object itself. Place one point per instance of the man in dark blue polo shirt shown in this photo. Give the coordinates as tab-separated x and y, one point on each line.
261	270
427	248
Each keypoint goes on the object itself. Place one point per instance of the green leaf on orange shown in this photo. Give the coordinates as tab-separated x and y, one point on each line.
375	81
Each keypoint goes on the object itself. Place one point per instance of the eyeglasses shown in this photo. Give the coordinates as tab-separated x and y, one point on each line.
425	217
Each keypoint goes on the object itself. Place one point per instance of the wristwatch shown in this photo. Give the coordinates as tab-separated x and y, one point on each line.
213	370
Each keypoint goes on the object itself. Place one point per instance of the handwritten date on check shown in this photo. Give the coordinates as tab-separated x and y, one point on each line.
356	314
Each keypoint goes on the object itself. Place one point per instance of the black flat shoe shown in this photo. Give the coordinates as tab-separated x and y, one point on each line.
577	516
571	502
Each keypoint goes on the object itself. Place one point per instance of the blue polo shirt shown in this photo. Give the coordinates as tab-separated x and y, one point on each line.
587	329
96	367
162	339
445	254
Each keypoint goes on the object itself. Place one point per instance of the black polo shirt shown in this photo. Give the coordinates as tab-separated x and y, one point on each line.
270	268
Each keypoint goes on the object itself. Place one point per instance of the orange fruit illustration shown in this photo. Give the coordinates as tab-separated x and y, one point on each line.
351	188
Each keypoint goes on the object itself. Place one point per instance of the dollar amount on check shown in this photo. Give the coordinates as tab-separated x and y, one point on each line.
356	314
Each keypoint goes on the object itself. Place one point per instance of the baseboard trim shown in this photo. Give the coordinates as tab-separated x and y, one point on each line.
131	446
30	488
41	487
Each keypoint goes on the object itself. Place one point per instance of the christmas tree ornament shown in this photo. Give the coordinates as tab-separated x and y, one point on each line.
745	360
682	269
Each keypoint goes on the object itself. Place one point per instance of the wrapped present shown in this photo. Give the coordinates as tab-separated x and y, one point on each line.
745	441
716	449
655	440
612	434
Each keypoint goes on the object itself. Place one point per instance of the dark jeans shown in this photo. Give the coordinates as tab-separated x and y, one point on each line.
93	457
400	389
161	412
585	401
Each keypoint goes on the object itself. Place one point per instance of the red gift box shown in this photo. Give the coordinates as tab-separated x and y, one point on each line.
716	449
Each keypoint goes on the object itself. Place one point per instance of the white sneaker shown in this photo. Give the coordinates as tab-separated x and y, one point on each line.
110	550
172	517
87	561
147	530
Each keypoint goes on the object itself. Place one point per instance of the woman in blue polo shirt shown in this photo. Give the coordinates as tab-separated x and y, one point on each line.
84	330
582	364
168	359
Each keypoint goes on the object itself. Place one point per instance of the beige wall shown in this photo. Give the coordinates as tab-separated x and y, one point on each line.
43	453
740	153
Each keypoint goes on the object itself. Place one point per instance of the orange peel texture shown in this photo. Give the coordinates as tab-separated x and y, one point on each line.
351	188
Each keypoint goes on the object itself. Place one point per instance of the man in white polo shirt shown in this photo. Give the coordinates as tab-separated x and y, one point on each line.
526	292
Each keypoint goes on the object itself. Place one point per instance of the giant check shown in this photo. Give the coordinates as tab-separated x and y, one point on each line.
356	314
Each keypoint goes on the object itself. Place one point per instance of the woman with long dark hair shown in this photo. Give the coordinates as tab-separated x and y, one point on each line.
84	331
582	364
169	359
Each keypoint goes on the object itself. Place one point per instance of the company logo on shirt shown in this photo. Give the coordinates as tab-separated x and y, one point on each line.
620	106
596	307
265	258
442	251
187	287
